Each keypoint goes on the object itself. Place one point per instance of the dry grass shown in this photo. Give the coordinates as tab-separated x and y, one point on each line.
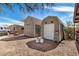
21	48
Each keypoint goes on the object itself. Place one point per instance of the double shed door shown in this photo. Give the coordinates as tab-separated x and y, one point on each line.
49	31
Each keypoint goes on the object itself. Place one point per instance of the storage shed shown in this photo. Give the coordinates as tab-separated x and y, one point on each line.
52	28
16	29
32	26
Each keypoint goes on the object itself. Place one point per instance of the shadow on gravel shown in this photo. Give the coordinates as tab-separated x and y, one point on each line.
15	38
46	46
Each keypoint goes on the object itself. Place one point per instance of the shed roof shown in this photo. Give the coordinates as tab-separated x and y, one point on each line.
32	18
14	25
56	18
35	20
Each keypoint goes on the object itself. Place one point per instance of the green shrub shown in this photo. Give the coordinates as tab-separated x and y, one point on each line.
69	33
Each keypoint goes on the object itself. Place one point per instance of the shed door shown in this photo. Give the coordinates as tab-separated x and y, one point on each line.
49	31
28	29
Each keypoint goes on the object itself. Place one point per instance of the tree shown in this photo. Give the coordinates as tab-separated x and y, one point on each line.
69	30
29	7
69	23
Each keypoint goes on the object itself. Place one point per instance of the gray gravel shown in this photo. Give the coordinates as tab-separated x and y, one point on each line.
20	48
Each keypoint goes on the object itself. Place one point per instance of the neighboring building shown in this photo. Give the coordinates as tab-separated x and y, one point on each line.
4	29
76	21
32	27
52	28
1	29
16	29
76	16
76	13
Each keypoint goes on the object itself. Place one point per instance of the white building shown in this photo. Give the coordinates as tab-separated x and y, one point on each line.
4	28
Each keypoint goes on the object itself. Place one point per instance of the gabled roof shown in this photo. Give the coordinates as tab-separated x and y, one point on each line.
55	17
15	25
35	20
30	17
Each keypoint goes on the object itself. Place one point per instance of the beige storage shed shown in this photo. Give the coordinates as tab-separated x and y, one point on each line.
16	29
52	28
32	27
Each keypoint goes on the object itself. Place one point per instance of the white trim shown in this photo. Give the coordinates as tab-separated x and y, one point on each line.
47	32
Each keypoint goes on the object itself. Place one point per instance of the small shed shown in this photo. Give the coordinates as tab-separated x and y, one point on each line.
16	29
52	28
32	27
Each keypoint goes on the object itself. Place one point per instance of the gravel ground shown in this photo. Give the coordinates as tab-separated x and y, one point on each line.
21	48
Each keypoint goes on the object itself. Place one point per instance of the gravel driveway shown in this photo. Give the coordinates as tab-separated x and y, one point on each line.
21	48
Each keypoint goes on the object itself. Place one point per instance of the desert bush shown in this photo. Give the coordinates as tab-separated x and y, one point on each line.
69	33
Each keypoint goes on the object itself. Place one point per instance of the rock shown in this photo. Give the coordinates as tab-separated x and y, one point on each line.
37	40
41	40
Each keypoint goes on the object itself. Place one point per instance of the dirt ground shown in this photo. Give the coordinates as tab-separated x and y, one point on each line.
27	47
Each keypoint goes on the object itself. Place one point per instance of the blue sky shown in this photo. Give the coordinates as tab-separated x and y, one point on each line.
63	10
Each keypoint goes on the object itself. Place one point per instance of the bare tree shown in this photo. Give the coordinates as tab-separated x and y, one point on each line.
23	7
69	23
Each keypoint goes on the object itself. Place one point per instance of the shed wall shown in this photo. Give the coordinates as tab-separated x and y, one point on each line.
56	23
34	26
